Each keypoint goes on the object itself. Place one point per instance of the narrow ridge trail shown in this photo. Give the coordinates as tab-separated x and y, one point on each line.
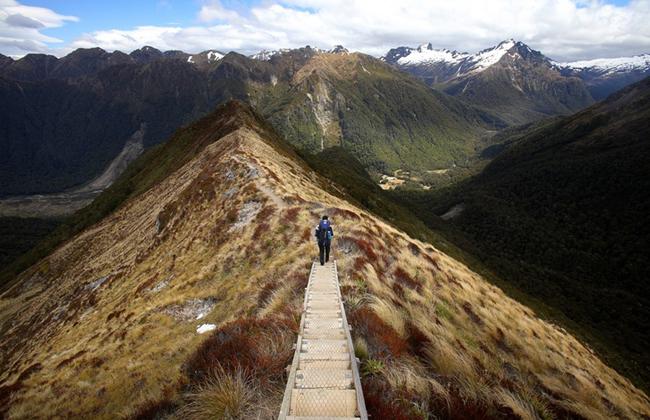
324	380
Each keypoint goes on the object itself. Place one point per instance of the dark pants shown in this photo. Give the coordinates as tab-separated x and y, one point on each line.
324	249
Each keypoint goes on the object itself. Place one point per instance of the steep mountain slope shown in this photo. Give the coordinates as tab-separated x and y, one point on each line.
60	133
563	213
388	121
604	76
215	232
511	79
63	121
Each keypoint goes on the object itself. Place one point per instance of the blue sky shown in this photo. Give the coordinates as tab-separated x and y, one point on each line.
120	14
562	29
126	14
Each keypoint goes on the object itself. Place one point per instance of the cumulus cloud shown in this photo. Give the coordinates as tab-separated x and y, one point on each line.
562	29
21	26
215	11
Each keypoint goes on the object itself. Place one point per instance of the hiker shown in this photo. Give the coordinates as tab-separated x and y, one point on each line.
324	234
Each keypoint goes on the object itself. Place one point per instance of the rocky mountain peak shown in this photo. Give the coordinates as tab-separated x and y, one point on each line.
146	54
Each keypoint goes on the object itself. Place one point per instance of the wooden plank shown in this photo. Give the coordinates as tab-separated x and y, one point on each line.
324	402
324	378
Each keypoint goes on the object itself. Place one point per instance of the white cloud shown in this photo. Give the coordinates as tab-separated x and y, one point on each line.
215	11
21	26
561	29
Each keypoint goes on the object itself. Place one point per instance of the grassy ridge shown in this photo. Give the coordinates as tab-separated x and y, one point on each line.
149	169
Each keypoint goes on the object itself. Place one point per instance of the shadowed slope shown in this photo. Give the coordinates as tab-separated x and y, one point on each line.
563	213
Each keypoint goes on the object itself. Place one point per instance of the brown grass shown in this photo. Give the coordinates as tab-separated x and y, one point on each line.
382	339
263	346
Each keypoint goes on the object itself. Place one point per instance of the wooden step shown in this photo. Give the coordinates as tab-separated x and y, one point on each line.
324	402
333	306
324	312
324	378
324	323
330	334
333	346
307	364
324	355
320	418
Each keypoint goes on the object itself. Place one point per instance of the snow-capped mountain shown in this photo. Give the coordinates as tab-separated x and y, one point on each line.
266	55
610	65
427	54
205	57
510	78
606	75
441	65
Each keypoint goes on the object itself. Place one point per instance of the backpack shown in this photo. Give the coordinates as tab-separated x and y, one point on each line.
323	230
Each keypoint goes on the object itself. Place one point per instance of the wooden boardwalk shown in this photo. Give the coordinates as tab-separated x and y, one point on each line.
324	378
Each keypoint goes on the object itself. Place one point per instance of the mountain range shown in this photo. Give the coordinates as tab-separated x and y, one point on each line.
65	120
606	75
518	83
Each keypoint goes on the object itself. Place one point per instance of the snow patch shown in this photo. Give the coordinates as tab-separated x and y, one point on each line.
265	55
190	59
637	62
203	328
214	56
486	58
427	54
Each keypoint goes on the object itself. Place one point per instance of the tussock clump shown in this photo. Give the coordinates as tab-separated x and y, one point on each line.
261	231
153	409
291	215
385	402
223	395
266	213
367	249
383	341
347	215
404	279
467	307
263	346
266	292
306	235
